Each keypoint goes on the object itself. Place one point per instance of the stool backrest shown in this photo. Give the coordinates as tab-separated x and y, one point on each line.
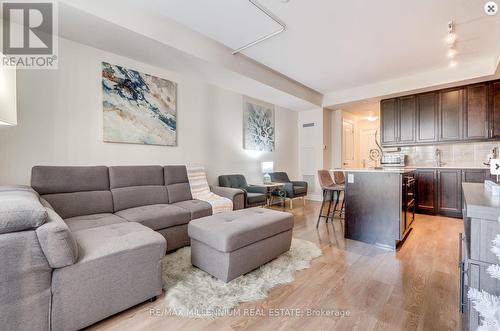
325	180
339	177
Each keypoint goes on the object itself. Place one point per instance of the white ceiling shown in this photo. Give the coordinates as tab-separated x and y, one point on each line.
339	45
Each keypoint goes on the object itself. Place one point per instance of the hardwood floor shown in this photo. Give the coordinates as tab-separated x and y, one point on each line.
415	288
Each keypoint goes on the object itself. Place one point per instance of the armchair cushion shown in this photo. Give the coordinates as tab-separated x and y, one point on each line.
256	199
234	181
256	189
279	177
299	183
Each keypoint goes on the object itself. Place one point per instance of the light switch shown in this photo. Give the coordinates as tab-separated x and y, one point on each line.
350	178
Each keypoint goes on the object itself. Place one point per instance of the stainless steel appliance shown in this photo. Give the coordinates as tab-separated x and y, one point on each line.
393	160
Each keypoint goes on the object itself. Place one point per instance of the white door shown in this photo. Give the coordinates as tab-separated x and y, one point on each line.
367	143
348	157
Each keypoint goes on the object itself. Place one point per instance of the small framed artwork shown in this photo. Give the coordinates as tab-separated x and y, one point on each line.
258	125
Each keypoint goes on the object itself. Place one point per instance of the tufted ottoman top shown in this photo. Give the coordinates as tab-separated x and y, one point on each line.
227	232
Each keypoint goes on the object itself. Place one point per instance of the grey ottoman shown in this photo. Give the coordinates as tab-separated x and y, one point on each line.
230	244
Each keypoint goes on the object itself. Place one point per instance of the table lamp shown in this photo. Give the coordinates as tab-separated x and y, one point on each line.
8	104
267	167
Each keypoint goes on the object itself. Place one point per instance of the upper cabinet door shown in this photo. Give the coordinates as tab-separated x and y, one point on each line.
427	117
495	110
450	114
476	112
407	112
389	121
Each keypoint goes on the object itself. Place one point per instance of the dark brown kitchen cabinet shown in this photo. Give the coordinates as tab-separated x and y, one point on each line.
495	110
389	121
427	117
450	192
450	114
406	120
470	112
476	112
426	191
474	175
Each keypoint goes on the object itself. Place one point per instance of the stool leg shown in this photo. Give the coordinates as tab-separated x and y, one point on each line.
336	203
321	209
329	206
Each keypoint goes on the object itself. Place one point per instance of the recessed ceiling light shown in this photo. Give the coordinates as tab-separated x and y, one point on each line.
453	64
372	118
451	53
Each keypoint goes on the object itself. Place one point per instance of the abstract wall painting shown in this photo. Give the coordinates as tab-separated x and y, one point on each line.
258	126
138	108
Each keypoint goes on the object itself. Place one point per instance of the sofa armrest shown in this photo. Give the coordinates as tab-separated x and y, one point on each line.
256	189
57	242
236	195
299	183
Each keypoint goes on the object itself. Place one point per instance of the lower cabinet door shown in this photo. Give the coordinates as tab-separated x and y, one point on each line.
426	191
450	192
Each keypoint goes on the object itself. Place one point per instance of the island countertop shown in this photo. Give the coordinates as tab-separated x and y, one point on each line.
382	170
480	203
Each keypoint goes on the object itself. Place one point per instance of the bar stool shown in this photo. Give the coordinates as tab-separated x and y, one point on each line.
329	187
339	180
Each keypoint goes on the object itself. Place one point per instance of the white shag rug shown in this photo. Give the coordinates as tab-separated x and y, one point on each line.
193	293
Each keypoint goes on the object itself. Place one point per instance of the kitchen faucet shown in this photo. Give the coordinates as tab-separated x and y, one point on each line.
438	158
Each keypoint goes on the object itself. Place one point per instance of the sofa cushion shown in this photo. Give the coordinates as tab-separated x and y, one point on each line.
20	210
134	186
80	203
119	267
135	196
49	179
125	176
92	221
197	208
177	183
74	191
57	241
230	231
156	217
256	198
300	189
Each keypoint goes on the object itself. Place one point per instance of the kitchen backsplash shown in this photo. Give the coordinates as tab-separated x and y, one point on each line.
465	154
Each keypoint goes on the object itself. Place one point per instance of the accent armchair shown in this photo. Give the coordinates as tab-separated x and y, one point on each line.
293	189
254	195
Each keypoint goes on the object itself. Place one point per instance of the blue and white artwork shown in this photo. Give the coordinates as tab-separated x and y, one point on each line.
138	108
258	126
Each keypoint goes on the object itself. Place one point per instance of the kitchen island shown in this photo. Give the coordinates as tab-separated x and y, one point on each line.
379	205
481	226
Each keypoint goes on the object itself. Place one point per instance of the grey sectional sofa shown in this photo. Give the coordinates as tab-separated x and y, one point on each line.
87	242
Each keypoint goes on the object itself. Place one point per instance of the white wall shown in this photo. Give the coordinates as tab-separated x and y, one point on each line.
60	123
311	148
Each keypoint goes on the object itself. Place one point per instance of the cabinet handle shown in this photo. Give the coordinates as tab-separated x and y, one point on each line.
461	271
